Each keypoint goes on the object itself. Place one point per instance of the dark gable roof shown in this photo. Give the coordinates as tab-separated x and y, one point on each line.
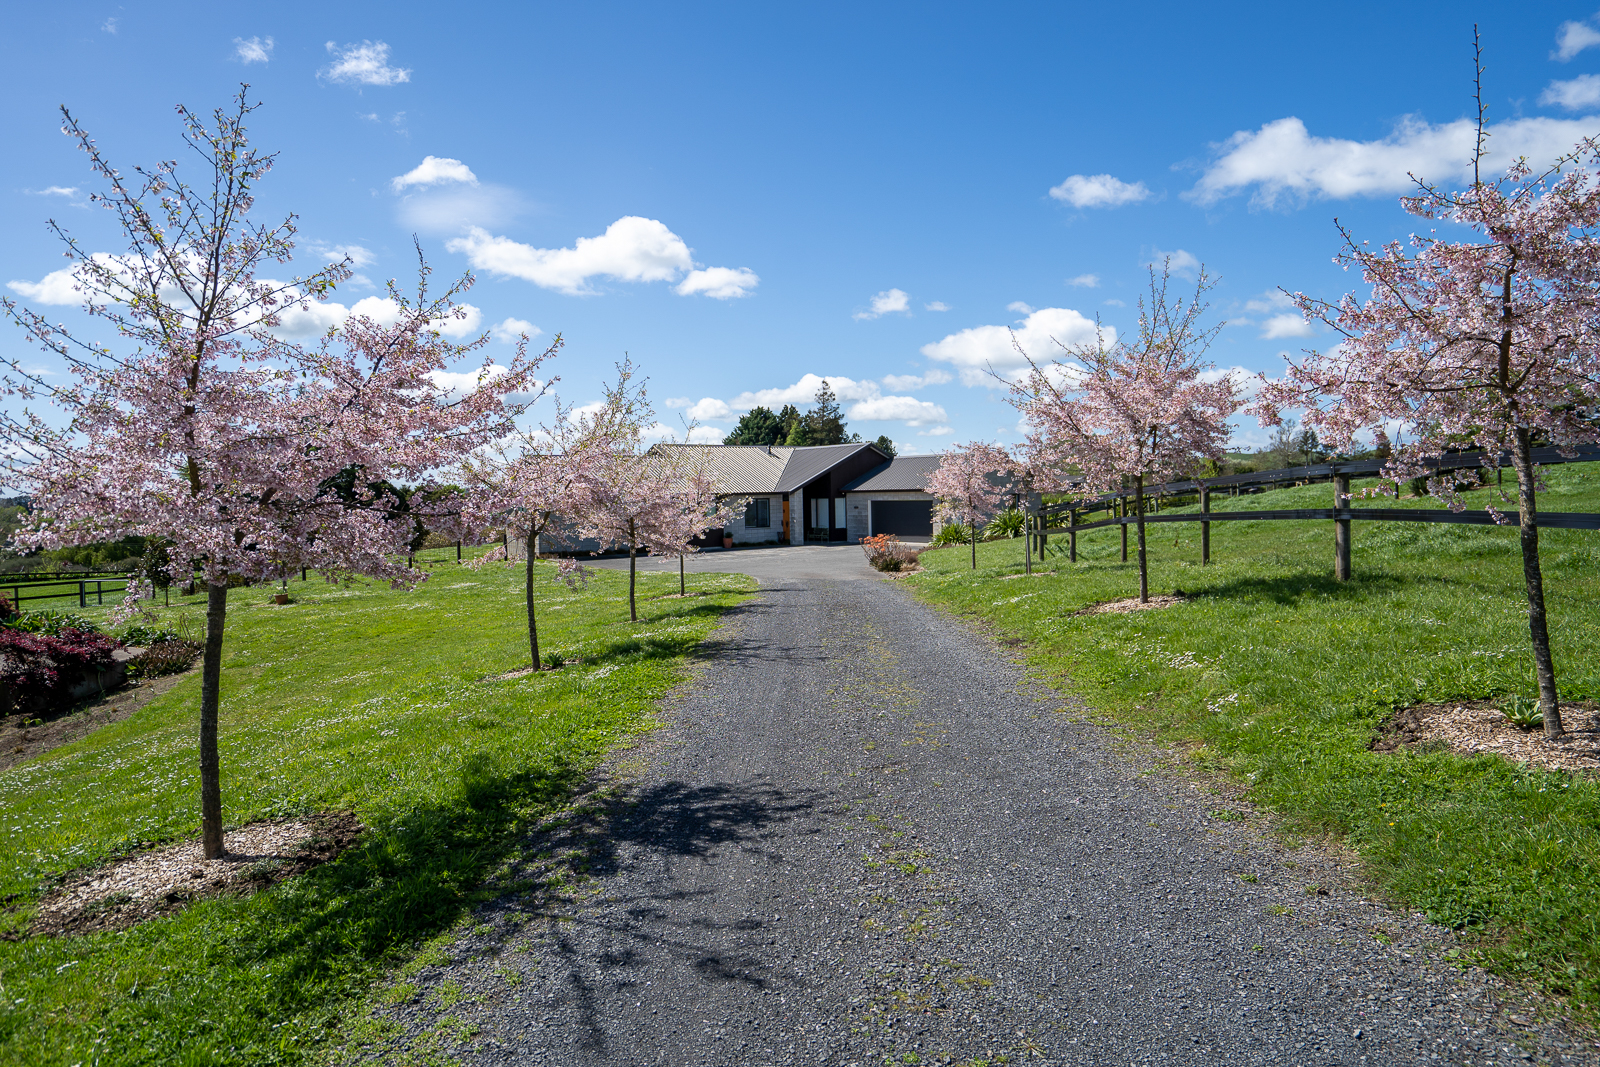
901	474
806	464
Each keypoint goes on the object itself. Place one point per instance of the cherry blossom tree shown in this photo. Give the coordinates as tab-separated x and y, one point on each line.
541	480
643	498
698	509
1139	408
972	482
246	453
1490	341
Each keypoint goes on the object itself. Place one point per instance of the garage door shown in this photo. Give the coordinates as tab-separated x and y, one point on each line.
903	518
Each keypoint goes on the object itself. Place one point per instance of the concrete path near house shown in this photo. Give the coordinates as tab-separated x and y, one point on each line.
863	837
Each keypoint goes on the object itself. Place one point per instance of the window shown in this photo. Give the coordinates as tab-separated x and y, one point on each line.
758	513
838	512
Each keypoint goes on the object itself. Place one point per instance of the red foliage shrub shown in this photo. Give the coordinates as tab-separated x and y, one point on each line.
886	552
38	671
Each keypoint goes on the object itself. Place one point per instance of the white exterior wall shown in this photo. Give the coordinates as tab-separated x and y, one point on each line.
859	509
756	535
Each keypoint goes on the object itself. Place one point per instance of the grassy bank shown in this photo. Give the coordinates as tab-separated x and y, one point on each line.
360	699
1283	675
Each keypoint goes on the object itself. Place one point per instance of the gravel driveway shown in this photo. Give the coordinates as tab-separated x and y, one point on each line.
862	837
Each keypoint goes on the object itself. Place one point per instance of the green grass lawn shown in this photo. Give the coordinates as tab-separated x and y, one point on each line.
1283	675
362	699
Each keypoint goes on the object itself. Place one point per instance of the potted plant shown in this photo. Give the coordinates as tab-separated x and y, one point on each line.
727	539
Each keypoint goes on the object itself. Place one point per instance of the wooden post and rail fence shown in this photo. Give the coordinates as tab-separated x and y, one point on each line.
1065	517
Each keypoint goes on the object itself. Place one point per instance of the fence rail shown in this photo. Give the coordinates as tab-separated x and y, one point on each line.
1044	520
22	592
1314	472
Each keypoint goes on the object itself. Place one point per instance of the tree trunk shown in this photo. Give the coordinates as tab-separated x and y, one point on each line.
527	590
1122	527
633	551
210	698
682	589
1544	665
1138	517
974	544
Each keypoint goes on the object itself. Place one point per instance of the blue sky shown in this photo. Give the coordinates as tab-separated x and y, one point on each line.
740	196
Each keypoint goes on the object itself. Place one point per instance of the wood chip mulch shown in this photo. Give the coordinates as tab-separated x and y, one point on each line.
1035	574
1471	727
1118	607
159	881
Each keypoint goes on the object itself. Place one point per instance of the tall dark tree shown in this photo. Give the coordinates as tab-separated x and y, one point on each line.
788	417
758	426
886	445
824	424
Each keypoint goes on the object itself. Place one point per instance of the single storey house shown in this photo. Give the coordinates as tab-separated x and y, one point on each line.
821	493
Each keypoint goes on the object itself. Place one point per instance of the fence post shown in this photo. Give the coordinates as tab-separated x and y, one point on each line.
83	593
1124	528
1072	535
458	551
1341	528
1205	527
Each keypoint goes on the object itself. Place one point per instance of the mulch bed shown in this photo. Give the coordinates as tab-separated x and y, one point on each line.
164	879
1117	607
1477	726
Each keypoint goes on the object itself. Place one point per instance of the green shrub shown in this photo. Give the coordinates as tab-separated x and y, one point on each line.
1009	523
51	622
953	534
1522	711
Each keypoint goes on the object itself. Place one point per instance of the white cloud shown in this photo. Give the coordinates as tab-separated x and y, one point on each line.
700	435
68	191
803	391
459	206
435	170
890	301
908	382
937	305
1085	281
1282	161
1572	38
1019	307
678	401
975	351
358	255
1114	302
719	283
708	408
510	331
906	409
937	431
1099	190
319	317
1579	94
109	26
54	288
366	63
1177	261
1290	324
1283	318
253	49
633	249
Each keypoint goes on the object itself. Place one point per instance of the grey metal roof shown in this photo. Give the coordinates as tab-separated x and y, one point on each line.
901	474
742	468
812	462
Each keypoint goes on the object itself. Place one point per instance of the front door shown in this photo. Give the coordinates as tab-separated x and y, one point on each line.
785	520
